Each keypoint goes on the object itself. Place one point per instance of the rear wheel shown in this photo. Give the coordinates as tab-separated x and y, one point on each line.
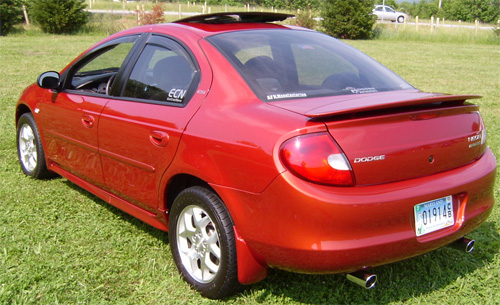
203	244
30	149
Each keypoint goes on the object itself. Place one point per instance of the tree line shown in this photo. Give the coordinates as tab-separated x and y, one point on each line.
486	11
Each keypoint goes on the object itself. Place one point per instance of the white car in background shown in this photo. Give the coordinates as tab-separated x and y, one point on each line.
384	12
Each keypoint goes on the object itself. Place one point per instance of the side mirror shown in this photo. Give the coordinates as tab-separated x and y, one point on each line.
49	80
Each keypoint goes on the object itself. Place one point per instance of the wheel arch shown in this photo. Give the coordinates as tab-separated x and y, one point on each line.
250	270
20	110
180	182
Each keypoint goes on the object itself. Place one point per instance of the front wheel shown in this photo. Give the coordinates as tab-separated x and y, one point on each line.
30	149
203	244
401	19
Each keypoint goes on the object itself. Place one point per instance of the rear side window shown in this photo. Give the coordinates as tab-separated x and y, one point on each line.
163	72
292	64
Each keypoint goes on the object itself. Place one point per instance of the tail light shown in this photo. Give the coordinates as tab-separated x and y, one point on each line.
317	158
483	136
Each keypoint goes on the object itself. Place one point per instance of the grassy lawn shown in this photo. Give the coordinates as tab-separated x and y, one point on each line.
59	244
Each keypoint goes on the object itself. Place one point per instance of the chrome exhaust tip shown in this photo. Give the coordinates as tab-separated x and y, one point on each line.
363	279
464	244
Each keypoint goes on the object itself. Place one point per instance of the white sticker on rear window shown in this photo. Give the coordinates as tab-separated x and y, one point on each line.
176	95
285	96
362	90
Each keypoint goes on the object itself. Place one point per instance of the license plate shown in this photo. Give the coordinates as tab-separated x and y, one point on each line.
433	215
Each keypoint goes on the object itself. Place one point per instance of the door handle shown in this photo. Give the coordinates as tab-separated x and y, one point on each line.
88	120
159	138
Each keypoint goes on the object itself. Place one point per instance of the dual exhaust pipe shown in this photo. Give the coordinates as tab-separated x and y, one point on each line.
463	244
363	279
368	280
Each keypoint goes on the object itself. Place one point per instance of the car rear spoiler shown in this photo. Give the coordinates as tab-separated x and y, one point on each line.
341	105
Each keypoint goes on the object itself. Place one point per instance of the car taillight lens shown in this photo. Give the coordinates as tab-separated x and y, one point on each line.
317	158
483	136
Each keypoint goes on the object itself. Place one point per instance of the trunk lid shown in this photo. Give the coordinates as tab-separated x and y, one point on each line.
398	136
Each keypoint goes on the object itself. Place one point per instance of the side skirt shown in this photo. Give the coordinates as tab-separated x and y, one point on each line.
158	221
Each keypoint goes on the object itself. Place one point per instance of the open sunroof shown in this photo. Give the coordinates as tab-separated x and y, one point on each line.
236	17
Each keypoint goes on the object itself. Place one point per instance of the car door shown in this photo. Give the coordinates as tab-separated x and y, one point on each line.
71	118
140	132
389	14
379	11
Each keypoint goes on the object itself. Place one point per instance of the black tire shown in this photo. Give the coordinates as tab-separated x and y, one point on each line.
401	19
30	150
207	261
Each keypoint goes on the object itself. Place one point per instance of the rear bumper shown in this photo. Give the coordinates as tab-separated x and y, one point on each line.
303	227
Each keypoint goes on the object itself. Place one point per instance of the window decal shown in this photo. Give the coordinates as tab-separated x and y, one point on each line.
176	95
286	96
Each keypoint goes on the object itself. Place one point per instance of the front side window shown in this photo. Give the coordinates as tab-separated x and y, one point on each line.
162	73
291	64
389	10
95	73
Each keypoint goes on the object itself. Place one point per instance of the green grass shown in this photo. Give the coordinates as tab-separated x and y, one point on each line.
441	34
61	245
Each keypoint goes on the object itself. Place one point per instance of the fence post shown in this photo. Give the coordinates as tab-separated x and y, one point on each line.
180	10
477	25
25	16
416	23
138	15
432	24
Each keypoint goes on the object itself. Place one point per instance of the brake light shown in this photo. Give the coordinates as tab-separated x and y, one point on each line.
483	135
317	158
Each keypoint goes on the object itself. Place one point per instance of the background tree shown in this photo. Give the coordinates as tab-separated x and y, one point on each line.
425	9
10	14
304	18
59	16
349	19
153	17
391	3
470	10
279	4
487	11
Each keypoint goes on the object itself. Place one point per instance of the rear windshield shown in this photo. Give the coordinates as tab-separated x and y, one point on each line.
294	64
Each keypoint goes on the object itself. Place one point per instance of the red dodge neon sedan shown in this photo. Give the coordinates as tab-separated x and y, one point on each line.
259	145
